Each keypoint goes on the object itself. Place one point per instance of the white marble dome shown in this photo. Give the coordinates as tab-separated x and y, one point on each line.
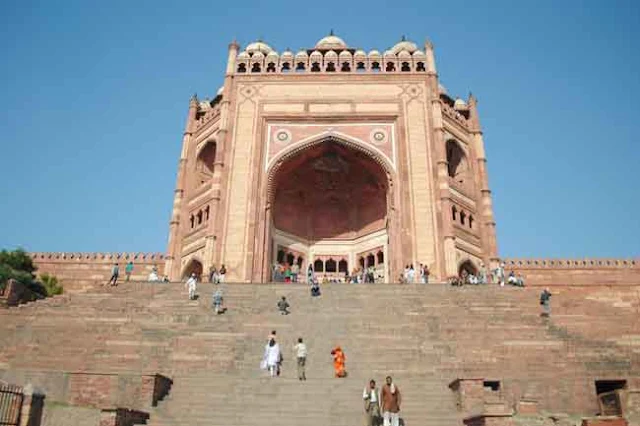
258	46
404	45
331	42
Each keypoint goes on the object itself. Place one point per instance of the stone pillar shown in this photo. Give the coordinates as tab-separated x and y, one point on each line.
220	175
32	407
489	243
172	265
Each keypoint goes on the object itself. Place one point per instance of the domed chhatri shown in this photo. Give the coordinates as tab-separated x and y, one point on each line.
404	44
331	42
258	46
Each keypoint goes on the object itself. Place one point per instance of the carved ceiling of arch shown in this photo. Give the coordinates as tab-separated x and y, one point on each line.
379	137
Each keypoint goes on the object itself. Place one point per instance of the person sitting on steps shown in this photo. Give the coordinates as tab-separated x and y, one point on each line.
283	306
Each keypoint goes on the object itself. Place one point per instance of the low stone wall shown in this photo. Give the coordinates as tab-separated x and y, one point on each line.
576	272
82	271
95	389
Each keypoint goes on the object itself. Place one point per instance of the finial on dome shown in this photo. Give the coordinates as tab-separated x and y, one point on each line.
404	38
331	32
194	97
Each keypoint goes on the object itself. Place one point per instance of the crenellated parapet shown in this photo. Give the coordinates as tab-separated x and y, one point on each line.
208	111
597	263
101	256
331	55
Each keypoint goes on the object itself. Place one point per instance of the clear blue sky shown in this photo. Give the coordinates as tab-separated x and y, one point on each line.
94	97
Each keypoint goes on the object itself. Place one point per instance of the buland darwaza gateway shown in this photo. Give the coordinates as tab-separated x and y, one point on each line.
331	157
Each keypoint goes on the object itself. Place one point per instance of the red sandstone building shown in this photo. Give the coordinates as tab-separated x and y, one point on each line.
331	157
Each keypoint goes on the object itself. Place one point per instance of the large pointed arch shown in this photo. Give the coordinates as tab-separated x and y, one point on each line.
281	158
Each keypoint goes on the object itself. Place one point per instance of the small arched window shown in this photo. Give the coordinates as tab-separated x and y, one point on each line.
390	67
255	67
346	67
463	217
330	265
315	67
331	67
375	66
206	213
242	68
380	256
471	221
458	166
405	67
300	67
192	219
420	67
360	67
271	67
371	260
280	256
454	212
286	67
290	258
205	162
318	266
199	216
343	266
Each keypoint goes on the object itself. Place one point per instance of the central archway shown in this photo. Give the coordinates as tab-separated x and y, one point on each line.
329	201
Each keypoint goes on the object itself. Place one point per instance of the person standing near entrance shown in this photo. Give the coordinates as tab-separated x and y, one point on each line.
371	396
390	402
128	270
115	272
221	274
295	271
301	355
191	284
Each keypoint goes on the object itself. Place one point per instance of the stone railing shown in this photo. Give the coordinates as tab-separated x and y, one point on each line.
572	263
81	271
107	256
454	115
589	271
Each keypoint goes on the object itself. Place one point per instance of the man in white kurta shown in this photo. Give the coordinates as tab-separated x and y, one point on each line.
191	284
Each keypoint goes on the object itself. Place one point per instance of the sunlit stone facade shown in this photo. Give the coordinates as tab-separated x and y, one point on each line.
331	157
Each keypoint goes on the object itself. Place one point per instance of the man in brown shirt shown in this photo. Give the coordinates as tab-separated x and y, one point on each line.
390	403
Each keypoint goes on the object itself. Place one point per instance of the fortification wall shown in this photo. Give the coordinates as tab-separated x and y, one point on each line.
576	272
80	271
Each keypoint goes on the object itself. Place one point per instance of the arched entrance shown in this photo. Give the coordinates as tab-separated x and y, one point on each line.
193	267
330	202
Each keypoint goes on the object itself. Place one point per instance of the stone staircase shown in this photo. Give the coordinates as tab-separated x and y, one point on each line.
423	335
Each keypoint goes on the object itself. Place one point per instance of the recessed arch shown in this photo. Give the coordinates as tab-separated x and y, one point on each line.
458	167
205	161
277	161
194	266
467	266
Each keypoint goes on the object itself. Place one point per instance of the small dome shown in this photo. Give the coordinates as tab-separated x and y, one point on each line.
404	45
258	46
359	53
419	54
287	54
374	53
459	104
331	42
243	55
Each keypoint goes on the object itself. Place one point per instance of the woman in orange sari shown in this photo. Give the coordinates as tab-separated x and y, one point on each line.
339	359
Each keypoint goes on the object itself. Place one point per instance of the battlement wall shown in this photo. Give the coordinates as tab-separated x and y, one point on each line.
80	271
578	272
